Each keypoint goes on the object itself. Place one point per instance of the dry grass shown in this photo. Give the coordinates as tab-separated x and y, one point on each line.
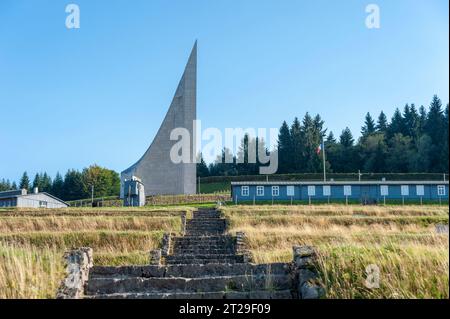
401	240
87	223
28	272
32	242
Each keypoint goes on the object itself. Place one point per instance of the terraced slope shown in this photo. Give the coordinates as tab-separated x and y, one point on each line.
204	264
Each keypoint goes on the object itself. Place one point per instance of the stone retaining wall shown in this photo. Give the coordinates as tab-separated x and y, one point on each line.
304	273
78	263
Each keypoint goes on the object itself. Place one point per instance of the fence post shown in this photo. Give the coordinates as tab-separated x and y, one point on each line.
155	257
183	223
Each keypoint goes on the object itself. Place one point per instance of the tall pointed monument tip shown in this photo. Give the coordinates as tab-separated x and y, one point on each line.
158	173
193	54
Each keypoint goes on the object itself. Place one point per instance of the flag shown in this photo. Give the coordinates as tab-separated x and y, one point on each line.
319	149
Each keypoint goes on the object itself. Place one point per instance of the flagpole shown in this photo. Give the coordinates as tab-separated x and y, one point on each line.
324	167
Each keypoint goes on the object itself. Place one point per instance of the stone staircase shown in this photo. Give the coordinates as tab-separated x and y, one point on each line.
205	263
189	281
204	242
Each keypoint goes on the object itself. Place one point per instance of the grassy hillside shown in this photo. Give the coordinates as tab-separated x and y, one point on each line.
32	242
401	240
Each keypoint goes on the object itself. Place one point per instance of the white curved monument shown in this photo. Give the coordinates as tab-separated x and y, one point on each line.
155	169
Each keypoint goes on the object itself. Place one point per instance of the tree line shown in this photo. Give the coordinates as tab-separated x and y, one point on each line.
414	140
74	185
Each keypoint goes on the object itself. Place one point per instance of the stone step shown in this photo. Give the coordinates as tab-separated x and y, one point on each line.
189	271
203	259
194	238
199	236
211	214
203	232
258	294
203	243
203	248
178	284
202	227
203	251
204	239
206	225
206	220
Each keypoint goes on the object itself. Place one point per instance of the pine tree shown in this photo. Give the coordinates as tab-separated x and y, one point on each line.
382	123
46	183
37	182
202	168
297	156
410	121
310	159
58	185
3	185
24	182
343	157
285	152
396	126
369	126
242	163
346	138
422	119
445	150
73	186
330	138
435	129
14	186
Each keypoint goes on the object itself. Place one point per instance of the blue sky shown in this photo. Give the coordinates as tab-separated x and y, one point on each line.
70	98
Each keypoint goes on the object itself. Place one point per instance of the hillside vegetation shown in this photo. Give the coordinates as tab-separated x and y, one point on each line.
401	240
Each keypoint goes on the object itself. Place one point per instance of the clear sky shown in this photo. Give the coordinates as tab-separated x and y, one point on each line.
71	98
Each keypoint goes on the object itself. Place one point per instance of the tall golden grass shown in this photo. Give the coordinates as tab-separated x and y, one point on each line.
29	272
400	240
32	243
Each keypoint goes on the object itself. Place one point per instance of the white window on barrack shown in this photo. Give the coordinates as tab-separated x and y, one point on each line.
290	191
259	190
275	190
